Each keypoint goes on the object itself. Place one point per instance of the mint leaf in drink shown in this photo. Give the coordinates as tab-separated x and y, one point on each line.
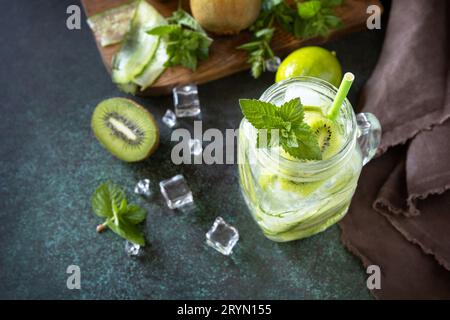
262	115
290	140
308	148
267	138
292	111
294	135
108	201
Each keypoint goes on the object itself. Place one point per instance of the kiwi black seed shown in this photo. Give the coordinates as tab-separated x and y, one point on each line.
324	134
125	129
327	135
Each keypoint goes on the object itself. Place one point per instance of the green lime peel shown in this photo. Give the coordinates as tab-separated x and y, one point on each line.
343	90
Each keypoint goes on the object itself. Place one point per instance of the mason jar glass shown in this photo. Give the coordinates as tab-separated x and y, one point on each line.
291	199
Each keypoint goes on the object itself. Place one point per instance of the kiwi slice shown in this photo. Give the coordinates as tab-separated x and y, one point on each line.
327	133
125	129
302	188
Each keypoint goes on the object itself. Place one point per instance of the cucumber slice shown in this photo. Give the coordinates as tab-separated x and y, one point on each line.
154	68
138	47
110	26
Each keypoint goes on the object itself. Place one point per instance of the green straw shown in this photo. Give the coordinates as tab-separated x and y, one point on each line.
341	95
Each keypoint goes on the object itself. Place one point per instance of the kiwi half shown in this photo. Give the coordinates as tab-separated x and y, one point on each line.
125	129
327	133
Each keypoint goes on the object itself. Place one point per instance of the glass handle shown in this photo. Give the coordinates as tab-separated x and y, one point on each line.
369	135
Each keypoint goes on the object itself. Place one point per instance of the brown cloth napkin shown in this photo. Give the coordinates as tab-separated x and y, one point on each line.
400	215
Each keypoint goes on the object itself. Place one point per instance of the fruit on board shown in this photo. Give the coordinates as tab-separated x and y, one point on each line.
225	17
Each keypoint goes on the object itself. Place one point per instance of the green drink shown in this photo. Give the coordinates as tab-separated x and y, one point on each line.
290	198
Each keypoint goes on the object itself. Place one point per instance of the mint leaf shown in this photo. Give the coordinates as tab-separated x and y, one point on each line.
123	206
310	18
184	19
134	214
250	46
308	148
127	231
295	136
267	138
187	42
164	30
259	50
108	201
333	21
262	115
291	140
292	111
104	197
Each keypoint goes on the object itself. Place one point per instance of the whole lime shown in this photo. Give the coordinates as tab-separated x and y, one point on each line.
312	62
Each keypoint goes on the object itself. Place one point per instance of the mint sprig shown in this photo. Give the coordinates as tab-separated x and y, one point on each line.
294	134
108	201
187	41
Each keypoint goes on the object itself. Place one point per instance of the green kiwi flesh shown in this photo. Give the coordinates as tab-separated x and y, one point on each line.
125	129
327	133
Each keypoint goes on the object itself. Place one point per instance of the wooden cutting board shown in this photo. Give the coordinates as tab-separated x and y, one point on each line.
224	58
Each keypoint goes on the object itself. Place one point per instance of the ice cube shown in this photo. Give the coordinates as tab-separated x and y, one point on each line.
272	64
222	236
132	249
195	147
176	192
186	101
143	188
169	118
308	97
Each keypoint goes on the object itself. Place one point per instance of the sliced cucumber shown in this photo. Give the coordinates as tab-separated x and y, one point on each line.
110	26
138	47
154	68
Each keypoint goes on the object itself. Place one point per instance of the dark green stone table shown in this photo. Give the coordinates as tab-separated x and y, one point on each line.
51	79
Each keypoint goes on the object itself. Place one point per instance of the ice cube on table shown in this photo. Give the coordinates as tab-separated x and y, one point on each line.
169	118
222	236
132	249
195	146
176	192
186	101
272	64
308	97
143	188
